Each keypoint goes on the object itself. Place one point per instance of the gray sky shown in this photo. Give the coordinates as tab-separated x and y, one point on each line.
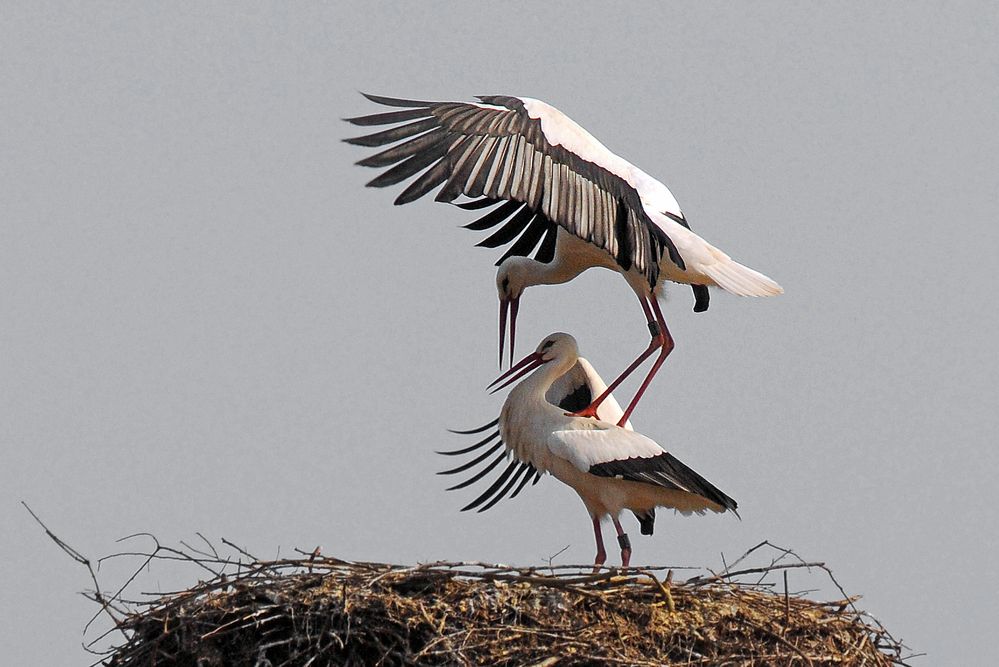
210	325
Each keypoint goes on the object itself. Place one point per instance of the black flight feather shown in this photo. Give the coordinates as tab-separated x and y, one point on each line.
506	489
494	217
480	429
546	251
394	134
429	180
667	471
508	231
476	204
389	117
479	475
474	462
396	102
405	149
405	169
472	448
528	240
530	469
492	489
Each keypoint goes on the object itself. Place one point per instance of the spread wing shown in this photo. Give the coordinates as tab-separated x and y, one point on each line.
514	477
535	166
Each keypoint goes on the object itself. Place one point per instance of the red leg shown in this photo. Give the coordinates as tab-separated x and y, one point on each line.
656	343
601	553
624	542
666	347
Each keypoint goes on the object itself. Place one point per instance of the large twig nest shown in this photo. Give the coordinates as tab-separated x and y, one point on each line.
319	611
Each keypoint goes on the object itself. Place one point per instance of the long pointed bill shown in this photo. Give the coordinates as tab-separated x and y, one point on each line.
514	305
504	307
507	306
519	370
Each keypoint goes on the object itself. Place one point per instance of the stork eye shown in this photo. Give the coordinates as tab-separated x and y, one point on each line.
548	344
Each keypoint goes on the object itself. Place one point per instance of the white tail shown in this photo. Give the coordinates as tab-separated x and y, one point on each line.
740	280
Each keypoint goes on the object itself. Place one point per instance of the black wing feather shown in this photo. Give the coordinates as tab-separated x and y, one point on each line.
472	448
506	489
522	472
482	473
510	230
492	489
476	204
410	166
530	470
394	134
389	117
494	217
528	241
480	429
546	251
475	140
474	462
404	150
667	471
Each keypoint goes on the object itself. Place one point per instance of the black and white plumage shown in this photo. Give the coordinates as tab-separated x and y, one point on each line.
612	468
561	194
522	150
573	390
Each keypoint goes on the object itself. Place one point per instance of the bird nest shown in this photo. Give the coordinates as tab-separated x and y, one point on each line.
317	610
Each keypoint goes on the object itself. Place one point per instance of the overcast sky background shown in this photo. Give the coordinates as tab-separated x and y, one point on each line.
209	324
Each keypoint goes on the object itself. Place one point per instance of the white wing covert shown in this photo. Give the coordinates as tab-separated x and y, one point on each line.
615	452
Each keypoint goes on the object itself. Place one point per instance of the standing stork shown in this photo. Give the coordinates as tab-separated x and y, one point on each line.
611	468
553	184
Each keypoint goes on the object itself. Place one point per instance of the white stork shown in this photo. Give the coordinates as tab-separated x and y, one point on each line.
562	192
612	468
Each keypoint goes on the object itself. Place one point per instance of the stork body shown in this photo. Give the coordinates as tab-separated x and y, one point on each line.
559	192
611	468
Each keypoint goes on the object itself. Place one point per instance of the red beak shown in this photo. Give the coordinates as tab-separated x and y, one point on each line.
519	370
510	305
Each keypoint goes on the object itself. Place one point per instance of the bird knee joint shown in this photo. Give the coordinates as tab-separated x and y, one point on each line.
624	542
654	330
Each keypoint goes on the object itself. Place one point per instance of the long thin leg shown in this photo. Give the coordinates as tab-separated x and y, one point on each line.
601	553
667	347
656	343
624	542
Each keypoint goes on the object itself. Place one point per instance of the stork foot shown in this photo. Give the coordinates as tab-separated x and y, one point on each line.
589	411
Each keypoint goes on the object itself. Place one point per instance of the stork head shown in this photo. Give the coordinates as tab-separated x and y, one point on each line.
559	347
511	281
